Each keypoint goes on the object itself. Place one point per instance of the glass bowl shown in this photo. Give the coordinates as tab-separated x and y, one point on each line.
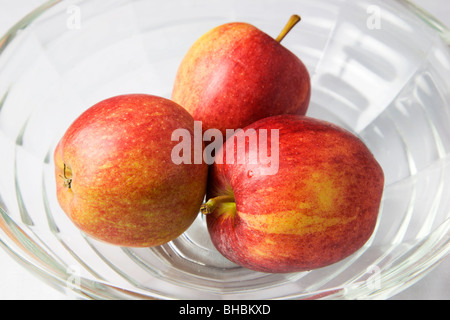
381	69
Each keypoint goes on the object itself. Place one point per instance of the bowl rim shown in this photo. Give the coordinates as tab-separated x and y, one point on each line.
15	241
432	21
423	14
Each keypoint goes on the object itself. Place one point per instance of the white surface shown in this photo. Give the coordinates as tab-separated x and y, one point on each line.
16	283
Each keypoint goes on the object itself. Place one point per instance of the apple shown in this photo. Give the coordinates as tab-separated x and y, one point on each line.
236	74
318	208
115	177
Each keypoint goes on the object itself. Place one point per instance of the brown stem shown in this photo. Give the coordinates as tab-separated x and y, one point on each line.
291	24
212	203
67	181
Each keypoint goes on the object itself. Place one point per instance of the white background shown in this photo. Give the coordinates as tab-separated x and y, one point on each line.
17	283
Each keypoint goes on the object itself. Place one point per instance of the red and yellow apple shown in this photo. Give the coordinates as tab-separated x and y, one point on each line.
236	74
318	208
115	177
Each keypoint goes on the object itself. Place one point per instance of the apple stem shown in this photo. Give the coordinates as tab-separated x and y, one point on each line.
291	24
212	203
67	181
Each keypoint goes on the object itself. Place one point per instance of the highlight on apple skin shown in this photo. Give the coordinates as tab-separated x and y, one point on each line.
319	208
115	177
236	74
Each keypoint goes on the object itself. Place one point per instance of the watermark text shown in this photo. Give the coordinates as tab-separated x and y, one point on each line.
241	147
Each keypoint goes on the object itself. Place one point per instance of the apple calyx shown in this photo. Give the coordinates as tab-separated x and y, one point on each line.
290	24
212	204
67	180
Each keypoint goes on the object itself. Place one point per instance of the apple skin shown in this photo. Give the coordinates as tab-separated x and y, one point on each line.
319	208
236	74
115	177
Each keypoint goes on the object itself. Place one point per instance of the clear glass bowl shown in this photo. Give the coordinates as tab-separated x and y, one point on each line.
379	68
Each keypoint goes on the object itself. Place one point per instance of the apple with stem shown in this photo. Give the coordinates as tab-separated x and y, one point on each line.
236	74
320	207
115	177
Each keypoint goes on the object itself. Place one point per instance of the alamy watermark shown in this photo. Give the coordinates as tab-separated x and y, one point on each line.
73	21
73	282
374	281
373	21
235	147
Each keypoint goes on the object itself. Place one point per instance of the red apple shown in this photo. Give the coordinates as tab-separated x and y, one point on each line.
236	74
318	208
115	176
